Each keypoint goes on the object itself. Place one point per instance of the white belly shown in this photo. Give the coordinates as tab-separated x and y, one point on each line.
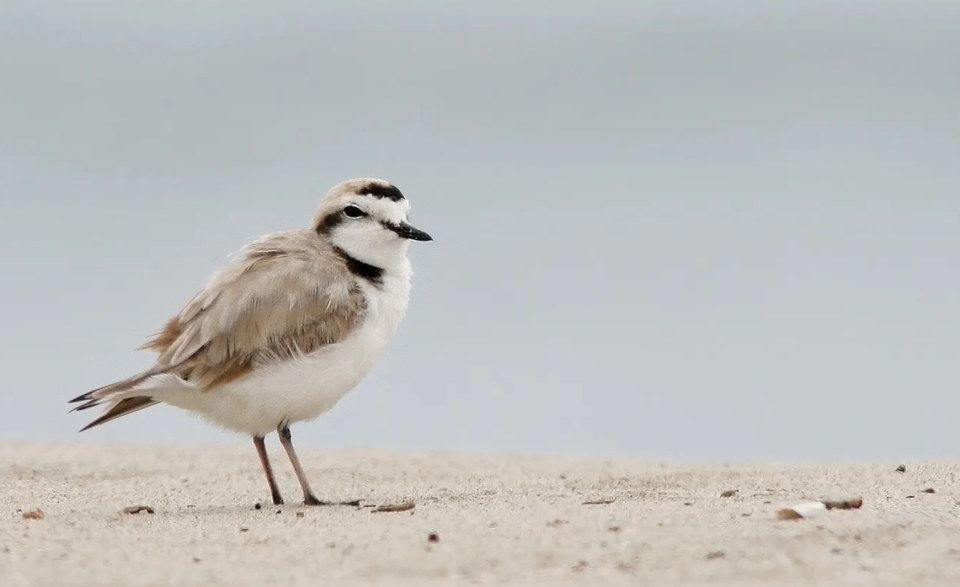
298	390
294	391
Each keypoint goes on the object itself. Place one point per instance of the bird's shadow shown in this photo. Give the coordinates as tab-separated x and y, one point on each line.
266	509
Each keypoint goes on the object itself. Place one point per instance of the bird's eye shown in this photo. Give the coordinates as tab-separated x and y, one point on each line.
353	212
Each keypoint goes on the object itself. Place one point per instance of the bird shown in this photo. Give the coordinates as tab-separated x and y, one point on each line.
293	322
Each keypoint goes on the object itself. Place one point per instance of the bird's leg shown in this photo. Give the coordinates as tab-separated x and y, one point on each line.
308	497
268	470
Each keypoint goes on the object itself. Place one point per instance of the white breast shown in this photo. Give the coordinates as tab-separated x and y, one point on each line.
303	389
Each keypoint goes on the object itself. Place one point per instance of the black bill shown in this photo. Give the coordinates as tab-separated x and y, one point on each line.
404	230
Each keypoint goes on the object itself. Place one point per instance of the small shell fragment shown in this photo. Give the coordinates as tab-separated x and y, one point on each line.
396	507
815	508
802	511
137	509
846	504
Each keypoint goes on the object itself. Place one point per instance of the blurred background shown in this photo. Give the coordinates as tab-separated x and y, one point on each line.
723	230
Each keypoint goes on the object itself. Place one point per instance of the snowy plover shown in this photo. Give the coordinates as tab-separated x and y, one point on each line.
285	330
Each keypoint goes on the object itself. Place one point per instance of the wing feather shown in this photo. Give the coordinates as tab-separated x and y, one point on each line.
286	294
278	299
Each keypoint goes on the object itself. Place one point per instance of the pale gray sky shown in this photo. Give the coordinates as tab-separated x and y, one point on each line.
705	230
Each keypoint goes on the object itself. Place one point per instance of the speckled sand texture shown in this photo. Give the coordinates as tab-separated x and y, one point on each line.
498	519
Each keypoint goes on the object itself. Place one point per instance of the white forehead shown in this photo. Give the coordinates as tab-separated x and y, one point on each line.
382	208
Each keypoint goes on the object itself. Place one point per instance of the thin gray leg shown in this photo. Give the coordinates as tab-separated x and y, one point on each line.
268	470
308	497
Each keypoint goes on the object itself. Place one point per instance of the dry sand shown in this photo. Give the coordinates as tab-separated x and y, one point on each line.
498	520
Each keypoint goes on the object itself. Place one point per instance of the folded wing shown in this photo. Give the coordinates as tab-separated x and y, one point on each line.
287	294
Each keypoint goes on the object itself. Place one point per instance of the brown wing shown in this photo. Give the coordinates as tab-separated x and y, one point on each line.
288	294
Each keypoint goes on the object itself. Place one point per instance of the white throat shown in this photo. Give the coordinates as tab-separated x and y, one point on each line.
390	256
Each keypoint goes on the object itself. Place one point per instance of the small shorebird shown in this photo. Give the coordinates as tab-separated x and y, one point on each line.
285	330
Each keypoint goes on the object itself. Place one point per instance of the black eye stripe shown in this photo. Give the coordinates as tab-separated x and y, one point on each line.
329	223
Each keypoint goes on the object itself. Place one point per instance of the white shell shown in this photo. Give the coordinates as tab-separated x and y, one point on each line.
809	509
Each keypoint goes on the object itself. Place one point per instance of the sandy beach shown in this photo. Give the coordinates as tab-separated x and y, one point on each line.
476	519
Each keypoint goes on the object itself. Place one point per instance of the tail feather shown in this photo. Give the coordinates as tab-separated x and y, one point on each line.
113	388
122	408
109	394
